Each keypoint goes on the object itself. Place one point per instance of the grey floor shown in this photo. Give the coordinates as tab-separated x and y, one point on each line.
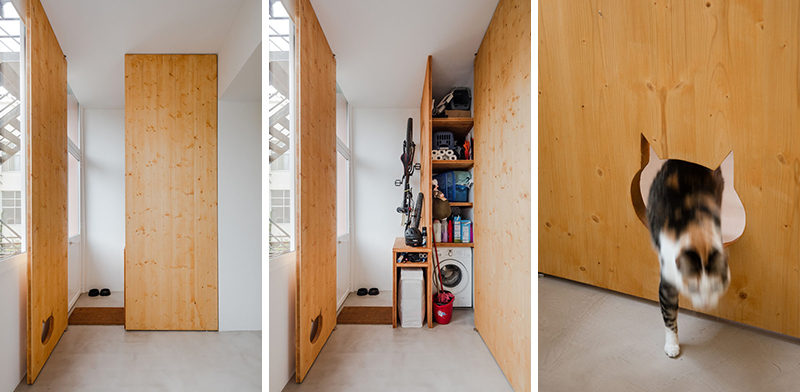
115	300
379	358
384	298
106	358
598	340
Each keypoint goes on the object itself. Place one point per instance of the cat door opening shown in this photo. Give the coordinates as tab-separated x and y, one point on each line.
732	214
316	328
47	329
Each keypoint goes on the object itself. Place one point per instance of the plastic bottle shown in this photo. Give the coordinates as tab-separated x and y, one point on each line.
437	230
450	230
457	229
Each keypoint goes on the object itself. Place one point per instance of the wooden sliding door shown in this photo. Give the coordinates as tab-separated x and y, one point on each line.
170	192
316	188
46	188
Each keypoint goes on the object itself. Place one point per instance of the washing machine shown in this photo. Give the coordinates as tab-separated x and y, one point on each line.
456	274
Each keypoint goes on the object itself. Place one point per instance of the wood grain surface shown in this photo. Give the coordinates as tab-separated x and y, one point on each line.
698	79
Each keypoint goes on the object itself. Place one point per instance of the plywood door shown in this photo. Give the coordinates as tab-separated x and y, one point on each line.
316	188
698	79
502	133
425	143
46	188
171	192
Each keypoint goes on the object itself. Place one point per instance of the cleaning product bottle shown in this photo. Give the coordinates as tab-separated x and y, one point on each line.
437	230
466	229
457	229
450	230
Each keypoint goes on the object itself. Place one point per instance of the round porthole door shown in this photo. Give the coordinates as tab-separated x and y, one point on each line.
454	276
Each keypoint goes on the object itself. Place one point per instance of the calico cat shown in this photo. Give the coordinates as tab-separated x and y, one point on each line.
683	215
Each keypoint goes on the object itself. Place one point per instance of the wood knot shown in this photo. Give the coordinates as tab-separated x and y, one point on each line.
742	295
595	219
582	268
547	225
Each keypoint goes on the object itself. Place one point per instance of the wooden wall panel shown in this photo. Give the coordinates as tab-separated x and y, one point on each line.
315	154
171	192
425	145
46	187
697	79
502	132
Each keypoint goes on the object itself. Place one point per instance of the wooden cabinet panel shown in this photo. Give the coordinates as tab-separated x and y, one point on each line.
698	80
46	188
502	133
171	192
315	155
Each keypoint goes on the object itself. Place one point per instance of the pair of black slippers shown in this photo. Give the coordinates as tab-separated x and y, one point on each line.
363	291
102	293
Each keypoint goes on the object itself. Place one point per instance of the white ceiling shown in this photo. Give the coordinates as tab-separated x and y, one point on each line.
381	46
95	35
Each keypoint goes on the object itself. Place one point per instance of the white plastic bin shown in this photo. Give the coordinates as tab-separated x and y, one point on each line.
411	291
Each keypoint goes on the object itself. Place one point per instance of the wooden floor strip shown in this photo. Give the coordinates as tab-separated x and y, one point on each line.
97	316
365	315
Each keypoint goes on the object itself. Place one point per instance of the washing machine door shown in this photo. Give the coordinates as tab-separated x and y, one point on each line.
454	277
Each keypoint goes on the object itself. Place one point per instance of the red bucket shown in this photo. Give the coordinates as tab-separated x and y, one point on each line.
444	312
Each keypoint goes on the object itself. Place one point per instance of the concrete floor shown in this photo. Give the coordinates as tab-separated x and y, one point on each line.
115	300
384	298
106	358
598	340
449	357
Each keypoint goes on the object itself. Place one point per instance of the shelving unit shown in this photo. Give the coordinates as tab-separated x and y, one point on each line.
401	247
461	127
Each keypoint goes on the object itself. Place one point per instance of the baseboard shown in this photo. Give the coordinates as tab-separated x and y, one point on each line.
73	301
340	302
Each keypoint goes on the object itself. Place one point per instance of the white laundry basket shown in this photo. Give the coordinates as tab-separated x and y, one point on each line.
411	291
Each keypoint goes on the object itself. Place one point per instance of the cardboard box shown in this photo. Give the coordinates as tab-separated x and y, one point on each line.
458	113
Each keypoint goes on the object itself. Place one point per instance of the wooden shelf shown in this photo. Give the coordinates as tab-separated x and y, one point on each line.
412	265
461	164
460	126
460	204
454	245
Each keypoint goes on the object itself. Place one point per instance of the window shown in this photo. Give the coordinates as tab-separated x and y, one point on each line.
12	131
279	199
12	207
13	164
279	136
73	166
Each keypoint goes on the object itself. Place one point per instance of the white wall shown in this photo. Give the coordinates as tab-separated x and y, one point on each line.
239	212
13	299
282	295
378	136
104	187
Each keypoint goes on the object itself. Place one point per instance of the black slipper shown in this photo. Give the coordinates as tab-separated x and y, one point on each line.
361	292
94	292
373	291
105	292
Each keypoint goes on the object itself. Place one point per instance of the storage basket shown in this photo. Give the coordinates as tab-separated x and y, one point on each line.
443	139
454	184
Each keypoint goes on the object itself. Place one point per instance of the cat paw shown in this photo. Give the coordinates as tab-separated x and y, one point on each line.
672	350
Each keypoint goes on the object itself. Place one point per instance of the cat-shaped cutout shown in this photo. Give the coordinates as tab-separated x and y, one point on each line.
733	215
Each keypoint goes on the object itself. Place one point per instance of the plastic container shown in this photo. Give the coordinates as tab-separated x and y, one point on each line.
442	314
411	301
457	229
444	139
454	184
